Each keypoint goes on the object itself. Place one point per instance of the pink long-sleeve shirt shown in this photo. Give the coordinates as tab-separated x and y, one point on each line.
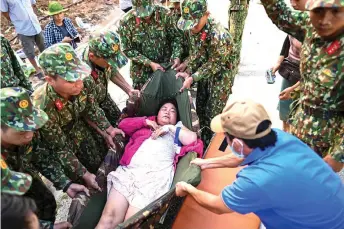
138	131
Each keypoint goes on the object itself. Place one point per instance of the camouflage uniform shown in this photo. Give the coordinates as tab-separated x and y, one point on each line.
12	75
66	129
318	120
107	46
209	63
17	112
237	14
144	42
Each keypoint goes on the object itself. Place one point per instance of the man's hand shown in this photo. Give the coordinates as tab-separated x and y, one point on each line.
159	132
114	131
156	66
90	180
108	139
187	84
286	93
134	93
182	67
62	225
75	189
67	40
182	189
335	165
202	163
182	75
152	124
176	63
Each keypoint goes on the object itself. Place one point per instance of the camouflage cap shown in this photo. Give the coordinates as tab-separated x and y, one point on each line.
143	8
60	59
18	112
107	45
192	11
313	4
13	182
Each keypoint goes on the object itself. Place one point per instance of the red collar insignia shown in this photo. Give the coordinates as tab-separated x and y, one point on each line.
334	46
94	74
138	20
203	36
58	104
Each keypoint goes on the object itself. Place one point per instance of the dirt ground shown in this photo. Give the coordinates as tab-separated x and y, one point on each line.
90	11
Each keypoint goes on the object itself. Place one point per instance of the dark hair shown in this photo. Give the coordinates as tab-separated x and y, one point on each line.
14	210
172	101
263	142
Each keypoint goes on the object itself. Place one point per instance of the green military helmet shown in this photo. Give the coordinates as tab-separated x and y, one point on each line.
60	59
312	4
192	11
107	45
17	111
13	182
143	8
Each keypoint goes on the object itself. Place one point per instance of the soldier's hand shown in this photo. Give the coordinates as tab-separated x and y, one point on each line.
156	66
134	93
182	75
114	131
187	84
182	67
90	180
335	165
62	225
75	189
181	189
176	63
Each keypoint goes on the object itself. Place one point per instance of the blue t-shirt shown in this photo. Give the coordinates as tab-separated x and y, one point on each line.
289	187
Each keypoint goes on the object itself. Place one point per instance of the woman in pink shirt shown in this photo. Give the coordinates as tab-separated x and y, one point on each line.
147	166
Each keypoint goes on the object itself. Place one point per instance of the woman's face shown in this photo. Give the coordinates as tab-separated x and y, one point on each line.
167	115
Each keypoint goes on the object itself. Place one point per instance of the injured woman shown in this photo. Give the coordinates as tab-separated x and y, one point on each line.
148	164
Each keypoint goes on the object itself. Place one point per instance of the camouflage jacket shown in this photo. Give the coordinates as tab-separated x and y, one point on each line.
185	41
322	62
34	158
12	75
63	114
210	51
101	77
154	41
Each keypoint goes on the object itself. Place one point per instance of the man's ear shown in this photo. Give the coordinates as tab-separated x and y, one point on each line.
91	55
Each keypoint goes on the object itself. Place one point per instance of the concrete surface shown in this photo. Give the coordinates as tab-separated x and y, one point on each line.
262	42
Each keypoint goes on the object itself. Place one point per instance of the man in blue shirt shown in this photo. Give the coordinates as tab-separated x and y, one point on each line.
25	21
285	183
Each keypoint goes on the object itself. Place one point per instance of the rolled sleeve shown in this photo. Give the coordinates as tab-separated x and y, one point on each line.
244	197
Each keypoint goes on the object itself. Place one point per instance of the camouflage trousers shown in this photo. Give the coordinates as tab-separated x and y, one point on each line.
237	16
45	201
212	96
89	146
112	112
324	136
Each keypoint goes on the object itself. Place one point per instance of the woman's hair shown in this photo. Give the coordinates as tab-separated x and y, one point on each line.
172	101
14	210
263	142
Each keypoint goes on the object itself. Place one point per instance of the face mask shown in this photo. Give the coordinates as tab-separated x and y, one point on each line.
237	154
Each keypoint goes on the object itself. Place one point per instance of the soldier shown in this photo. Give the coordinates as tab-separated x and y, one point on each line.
69	99
149	39
318	119
209	62
12	75
23	150
237	14
104	56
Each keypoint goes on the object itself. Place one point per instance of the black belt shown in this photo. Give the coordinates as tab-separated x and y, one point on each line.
319	113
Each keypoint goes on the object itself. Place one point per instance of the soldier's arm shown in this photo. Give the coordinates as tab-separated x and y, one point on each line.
93	112
23	81
337	152
127	45
288	20
220	51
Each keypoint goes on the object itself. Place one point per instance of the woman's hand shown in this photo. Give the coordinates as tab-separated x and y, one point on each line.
152	124
67	40
286	93
158	133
